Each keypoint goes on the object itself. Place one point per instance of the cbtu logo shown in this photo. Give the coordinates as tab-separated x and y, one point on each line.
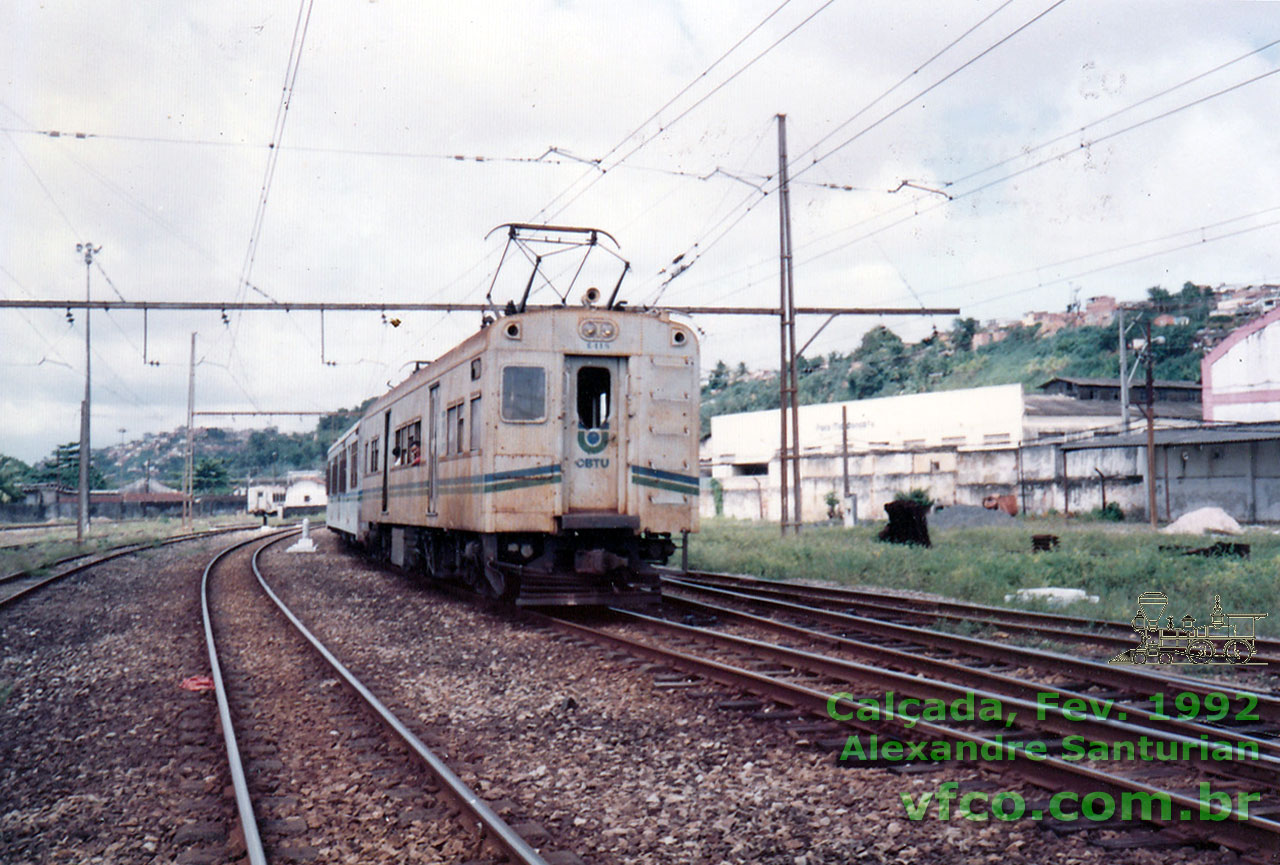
593	441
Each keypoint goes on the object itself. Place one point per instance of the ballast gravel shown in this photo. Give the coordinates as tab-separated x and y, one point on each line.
104	758
619	763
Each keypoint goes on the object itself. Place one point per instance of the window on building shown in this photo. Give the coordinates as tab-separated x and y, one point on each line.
593	397
475	423
751	469
524	393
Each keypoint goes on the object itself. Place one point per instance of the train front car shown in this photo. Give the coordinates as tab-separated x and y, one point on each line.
548	460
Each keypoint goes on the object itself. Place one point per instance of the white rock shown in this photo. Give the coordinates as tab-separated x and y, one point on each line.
1203	520
1053	595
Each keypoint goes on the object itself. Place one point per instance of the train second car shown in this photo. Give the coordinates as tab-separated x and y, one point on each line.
547	460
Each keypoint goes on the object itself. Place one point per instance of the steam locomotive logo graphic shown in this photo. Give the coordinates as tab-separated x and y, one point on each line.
593	441
1229	638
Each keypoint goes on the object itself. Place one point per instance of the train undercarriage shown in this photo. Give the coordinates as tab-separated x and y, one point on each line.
585	567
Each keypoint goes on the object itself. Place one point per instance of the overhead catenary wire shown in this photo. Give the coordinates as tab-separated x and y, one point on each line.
750	203
603	169
917	210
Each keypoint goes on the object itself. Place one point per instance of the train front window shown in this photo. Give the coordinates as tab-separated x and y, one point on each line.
524	393
593	397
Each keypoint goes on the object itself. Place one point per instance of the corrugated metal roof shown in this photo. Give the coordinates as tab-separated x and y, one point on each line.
1222	434
1060	405
1115	382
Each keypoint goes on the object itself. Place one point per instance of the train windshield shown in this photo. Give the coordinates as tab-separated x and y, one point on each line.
524	392
593	397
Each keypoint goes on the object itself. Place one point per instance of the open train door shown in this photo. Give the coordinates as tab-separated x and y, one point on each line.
594	424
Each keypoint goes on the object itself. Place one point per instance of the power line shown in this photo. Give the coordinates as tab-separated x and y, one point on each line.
1156	254
817	160
419	306
974	59
686	112
903	80
665	105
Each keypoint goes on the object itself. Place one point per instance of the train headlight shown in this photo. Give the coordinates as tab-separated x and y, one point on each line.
597	330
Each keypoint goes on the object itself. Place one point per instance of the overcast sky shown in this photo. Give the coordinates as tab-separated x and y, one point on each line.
1073	160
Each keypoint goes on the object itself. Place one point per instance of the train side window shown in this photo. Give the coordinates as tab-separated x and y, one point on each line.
408	449
475	423
355	465
593	397
342	472
524	393
451	431
373	455
462	423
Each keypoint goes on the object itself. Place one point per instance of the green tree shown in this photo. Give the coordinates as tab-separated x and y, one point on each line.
209	476
962	331
13	474
1160	300
719	377
62	467
879	363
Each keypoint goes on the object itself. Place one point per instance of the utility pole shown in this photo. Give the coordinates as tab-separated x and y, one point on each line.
1151	430
1124	374
788	378
82	497
188	462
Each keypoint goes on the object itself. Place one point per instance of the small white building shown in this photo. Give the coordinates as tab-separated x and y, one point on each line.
299	490
1241	375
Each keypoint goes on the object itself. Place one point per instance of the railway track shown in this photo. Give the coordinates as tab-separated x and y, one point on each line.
827	686
1110	635
20	583
305	737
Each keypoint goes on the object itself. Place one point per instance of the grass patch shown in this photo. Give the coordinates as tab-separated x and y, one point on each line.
1117	562
43	546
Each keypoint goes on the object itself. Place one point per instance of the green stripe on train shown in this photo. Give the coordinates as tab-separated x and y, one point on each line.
686	489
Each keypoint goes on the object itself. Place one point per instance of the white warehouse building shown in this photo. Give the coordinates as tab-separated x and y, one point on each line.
961	445
1241	374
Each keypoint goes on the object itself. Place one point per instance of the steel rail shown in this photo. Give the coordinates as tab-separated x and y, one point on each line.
1111	675
1250	835
990	681
1025	621
95	559
489	823
244	804
1266	767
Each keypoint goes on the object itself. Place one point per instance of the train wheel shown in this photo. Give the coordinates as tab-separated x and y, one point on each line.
1237	651
1200	651
1139	656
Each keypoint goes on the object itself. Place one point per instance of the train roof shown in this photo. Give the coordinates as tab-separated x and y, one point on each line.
477	340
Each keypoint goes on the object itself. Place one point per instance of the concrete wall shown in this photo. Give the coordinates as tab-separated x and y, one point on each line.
114	509
1243	478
